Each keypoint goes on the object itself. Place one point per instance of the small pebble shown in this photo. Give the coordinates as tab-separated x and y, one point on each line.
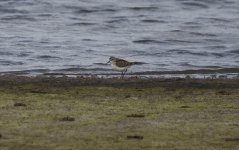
127	96
185	106
136	115
67	119
138	137
222	92
231	139
20	104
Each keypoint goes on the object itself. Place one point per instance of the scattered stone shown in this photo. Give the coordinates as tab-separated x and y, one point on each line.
231	139
138	89
222	92
137	137
136	115
38	91
20	105
235	124
127	96
170	89
67	119
178	97
185	106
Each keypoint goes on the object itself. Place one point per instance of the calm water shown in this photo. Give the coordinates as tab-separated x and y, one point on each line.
78	36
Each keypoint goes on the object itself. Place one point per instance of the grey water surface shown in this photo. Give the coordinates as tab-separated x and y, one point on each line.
78	36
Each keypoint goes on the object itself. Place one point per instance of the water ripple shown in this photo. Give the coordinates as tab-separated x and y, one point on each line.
195	5
236	51
12	11
18	17
147	41
83	24
149	8
10	63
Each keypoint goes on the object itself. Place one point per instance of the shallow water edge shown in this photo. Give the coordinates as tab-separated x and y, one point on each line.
223	73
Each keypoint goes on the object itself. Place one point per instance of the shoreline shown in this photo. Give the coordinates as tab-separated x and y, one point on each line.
200	73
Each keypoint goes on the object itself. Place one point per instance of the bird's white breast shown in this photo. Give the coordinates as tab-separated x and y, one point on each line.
119	68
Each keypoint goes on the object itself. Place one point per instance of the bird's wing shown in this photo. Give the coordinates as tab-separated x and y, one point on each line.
122	63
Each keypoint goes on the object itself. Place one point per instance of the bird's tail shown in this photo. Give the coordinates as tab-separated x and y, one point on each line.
136	63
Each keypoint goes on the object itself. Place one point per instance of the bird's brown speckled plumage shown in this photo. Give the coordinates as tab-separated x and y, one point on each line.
121	63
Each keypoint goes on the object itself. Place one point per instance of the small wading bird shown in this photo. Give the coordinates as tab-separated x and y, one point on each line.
120	65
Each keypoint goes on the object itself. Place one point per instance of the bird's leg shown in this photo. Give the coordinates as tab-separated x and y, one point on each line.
121	75
124	73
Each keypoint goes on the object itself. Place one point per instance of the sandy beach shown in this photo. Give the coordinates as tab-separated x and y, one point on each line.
97	113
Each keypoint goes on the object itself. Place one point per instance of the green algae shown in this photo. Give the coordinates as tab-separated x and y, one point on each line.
174	117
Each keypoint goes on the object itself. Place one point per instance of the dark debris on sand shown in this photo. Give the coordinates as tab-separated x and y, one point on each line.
18	104
185	106
231	139
67	119
136	116
137	137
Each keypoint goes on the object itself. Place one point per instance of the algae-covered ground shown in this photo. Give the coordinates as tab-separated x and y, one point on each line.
65	113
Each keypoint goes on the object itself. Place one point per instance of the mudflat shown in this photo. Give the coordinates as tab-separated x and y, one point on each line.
109	113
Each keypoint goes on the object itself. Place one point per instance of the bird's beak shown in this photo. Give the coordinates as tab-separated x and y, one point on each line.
108	62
